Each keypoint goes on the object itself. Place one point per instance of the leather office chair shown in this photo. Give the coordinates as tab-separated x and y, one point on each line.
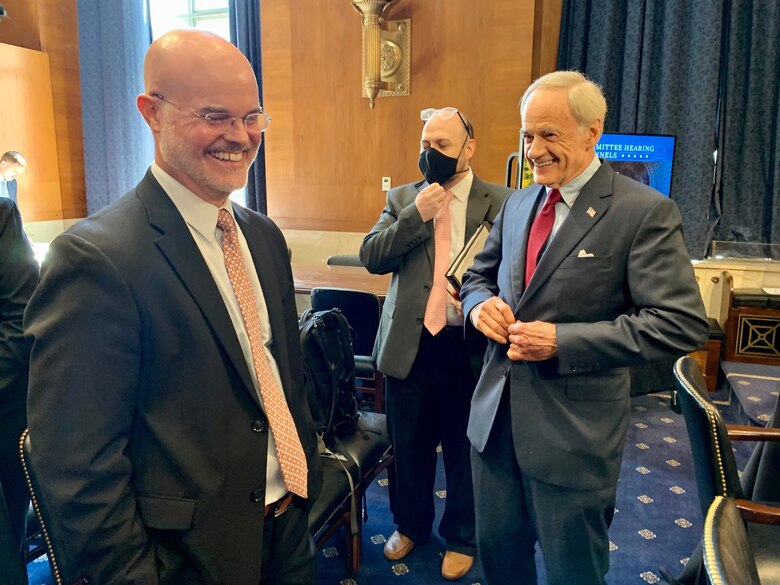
362	310
716	469
343	260
41	511
728	558
344	484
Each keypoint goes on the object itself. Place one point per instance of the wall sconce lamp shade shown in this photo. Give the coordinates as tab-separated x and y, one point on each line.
386	50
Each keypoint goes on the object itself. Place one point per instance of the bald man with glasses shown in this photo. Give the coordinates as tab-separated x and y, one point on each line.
168	417
430	370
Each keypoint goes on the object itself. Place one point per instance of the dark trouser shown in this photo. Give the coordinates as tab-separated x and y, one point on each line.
288	554
288	549
515	511
14	499
428	407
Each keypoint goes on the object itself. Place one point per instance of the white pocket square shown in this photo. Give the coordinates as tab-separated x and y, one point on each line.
583	254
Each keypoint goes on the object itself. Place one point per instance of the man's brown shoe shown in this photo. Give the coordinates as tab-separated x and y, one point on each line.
398	546
455	565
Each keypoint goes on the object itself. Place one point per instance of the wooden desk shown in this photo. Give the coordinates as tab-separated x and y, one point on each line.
309	276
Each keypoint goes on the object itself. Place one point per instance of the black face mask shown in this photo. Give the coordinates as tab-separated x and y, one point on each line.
437	167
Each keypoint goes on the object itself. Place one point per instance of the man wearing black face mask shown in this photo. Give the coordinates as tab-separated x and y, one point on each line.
430	370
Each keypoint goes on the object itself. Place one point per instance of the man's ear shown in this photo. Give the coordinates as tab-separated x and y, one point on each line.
470	149
149	109
594	133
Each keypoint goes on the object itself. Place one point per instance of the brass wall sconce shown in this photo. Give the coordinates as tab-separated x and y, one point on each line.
386	51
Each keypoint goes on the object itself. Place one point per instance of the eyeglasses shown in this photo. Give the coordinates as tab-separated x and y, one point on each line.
254	122
446	114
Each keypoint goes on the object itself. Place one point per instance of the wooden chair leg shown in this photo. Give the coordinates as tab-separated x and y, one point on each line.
352	544
379	392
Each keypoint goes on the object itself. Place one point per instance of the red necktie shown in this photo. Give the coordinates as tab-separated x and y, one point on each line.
436	309
292	459
540	231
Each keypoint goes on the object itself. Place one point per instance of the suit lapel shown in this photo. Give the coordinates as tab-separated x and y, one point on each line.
477	207
590	206
181	251
516	226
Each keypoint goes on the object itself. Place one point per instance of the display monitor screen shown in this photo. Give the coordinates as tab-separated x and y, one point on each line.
648	158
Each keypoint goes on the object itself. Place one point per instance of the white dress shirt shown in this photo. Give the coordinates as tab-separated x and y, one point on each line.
201	219
569	193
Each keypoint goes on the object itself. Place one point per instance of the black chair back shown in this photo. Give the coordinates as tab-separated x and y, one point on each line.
362	310
713	459
728	557
344	260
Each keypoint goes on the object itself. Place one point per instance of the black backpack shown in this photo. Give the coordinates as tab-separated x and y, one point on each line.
329	367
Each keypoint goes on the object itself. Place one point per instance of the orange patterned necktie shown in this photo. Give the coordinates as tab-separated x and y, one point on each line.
292	459
436	310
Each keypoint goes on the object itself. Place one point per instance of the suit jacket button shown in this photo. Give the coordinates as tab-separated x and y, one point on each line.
419	320
258	426
426	288
257	496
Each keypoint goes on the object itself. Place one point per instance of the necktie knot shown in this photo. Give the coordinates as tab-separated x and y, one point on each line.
552	200
225	221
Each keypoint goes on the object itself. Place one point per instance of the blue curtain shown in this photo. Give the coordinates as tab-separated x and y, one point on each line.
245	34
749	187
659	62
118	147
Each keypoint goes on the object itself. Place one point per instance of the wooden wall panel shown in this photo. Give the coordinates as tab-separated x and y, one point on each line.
327	151
547	26
27	125
52	27
60	40
21	26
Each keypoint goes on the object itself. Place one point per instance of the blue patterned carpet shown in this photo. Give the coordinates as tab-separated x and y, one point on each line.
658	521
756	387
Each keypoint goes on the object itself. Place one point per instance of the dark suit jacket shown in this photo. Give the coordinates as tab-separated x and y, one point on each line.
147	434
631	300
402	243
18	277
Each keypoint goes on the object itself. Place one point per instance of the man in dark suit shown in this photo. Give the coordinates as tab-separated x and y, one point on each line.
18	277
168	418
429	375
614	288
12	164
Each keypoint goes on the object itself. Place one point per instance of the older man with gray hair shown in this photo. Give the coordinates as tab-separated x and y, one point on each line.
584	275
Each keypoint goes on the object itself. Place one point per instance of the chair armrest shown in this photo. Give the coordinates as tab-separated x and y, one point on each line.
758	513
749	433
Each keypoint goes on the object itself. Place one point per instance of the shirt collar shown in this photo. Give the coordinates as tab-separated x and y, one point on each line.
462	188
200	215
571	190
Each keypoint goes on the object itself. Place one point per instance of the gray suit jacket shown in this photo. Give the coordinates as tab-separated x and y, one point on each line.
402	243
147	434
632	300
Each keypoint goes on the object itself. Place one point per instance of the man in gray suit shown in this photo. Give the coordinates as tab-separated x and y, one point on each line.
420	346
613	288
